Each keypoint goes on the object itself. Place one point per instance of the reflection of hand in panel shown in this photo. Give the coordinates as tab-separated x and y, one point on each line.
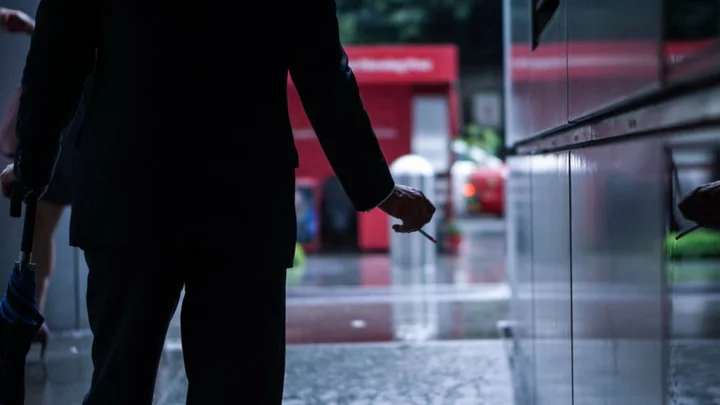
701	207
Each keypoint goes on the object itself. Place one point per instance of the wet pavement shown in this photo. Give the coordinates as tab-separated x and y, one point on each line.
430	373
356	339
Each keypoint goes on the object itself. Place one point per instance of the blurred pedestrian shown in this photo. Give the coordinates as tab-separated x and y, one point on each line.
187	177
58	195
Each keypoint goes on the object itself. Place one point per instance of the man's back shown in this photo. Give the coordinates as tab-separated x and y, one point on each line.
211	89
187	175
186	139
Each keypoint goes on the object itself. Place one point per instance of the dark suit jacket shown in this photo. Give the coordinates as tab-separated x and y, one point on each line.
186	140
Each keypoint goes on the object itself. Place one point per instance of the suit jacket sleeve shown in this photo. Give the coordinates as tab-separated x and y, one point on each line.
329	93
62	54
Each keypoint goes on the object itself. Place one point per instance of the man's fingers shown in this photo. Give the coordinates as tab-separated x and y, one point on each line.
407	227
8	179
7	187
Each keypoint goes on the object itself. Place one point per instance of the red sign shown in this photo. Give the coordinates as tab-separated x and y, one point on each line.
389	78
426	64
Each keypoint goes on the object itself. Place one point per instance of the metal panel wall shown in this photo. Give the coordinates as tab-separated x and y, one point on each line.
519	248
621	41
551	278
618	202
587	270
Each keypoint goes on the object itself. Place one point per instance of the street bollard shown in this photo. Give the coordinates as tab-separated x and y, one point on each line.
414	251
413	260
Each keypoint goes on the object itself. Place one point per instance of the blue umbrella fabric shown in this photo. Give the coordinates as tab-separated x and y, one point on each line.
20	318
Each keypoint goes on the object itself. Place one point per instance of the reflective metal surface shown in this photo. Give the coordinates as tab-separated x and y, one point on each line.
618	300
550	227
614	52
692	25
697	108
591	57
693	272
535	81
520	276
588	283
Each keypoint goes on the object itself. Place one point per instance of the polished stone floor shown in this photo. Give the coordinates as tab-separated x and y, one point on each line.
434	373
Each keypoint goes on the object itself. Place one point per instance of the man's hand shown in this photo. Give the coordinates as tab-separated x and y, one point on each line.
8	180
409	206
16	21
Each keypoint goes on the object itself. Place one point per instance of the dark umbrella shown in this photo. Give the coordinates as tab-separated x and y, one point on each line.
20	319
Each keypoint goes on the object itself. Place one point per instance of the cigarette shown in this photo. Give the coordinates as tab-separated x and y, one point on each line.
425	234
687	231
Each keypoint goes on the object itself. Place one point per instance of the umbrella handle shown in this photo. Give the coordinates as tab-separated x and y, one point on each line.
29	228
16	200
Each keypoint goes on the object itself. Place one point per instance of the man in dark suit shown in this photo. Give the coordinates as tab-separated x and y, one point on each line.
177	186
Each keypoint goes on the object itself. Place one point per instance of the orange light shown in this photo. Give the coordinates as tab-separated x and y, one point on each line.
469	190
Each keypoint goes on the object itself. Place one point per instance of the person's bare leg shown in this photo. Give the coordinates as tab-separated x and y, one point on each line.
48	217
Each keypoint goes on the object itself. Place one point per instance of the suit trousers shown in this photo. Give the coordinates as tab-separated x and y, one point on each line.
232	324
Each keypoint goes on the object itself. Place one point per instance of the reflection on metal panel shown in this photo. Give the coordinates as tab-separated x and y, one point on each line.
692	26
551	278
693	271
617	235
590	22
519	247
536	99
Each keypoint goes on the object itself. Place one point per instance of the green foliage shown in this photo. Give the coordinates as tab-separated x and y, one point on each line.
299	258
296	273
691	19
483	138
474	25
452	229
701	244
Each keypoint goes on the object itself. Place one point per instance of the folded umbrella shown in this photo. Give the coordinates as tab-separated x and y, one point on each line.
20	318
